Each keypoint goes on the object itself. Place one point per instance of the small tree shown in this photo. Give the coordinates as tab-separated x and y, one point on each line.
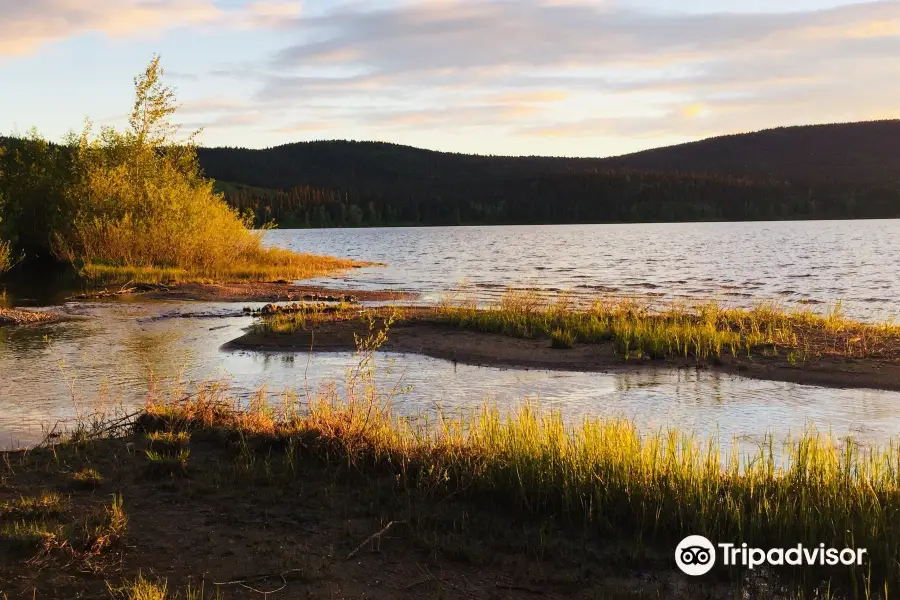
141	199
154	104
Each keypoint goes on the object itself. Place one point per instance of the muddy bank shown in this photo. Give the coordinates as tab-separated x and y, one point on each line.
11	316
418	333
269	292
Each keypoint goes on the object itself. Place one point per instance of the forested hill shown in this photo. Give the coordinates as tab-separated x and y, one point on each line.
342	163
866	152
819	172
828	171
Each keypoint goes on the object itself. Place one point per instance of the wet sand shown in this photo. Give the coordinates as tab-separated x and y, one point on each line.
417	334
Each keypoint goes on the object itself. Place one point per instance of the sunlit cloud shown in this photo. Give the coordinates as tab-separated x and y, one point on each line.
562	63
692	111
26	25
506	75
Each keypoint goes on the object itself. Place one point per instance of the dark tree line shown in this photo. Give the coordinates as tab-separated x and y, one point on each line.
328	184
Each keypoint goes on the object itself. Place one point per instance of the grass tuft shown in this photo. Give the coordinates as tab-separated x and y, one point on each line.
142	589
29	536
87	478
168	442
161	464
561	339
46	506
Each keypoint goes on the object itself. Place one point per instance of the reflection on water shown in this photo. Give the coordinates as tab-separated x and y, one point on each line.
807	263
115	350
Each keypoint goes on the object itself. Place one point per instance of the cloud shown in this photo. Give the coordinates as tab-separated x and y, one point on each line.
534	33
550	68
26	25
271	13
523	71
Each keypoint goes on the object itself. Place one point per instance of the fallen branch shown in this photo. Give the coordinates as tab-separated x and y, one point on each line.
245	583
372	537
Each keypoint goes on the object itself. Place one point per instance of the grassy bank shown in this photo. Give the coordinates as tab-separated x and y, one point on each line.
583	506
265	264
638	329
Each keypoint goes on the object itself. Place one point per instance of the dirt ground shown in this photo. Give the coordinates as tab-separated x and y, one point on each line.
419	333
239	525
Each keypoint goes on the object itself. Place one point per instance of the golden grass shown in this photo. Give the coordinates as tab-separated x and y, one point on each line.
603	474
87	478
269	264
143	588
703	330
47	505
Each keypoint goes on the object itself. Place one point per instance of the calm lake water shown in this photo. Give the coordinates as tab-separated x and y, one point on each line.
810	263
113	350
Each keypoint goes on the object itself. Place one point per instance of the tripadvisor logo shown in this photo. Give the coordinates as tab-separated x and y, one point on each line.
696	555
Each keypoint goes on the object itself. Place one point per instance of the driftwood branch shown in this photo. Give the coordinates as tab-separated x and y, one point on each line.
245	583
372	537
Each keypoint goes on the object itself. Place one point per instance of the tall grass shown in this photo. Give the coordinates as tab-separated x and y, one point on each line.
703	331
269	264
603	475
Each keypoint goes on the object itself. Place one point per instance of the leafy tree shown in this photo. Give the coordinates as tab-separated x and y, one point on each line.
140	199
33	178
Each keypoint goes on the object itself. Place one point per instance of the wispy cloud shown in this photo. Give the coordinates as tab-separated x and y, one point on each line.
513	72
26	25
559	63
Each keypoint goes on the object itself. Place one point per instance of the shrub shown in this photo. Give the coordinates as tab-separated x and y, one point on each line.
133	204
5	256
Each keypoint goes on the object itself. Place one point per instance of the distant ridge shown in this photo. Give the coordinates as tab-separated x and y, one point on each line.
839	171
865	152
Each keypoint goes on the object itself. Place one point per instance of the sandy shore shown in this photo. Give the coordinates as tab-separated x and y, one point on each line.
420	334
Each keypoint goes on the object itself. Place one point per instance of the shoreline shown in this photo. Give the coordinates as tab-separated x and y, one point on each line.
268	292
419	333
199	492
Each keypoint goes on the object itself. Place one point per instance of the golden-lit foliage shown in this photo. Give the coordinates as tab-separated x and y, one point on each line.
602	473
706	330
5	256
134	205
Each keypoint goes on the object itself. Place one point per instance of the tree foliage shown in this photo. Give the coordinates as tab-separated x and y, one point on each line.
140	197
132	198
327	184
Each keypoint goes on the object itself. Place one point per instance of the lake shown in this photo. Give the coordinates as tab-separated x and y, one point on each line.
112	351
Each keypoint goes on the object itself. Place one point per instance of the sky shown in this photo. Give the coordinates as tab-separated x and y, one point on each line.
512	77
